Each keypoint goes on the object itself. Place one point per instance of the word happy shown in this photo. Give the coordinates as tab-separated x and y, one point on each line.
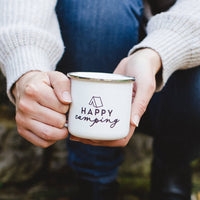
96	116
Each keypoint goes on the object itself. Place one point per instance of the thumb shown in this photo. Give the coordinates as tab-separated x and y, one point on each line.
142	97
61	86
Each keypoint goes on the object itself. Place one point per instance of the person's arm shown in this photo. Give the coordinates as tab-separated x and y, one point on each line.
30	47
175	36
29	38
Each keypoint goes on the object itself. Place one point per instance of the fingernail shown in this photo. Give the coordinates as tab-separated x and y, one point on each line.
136	120
66	96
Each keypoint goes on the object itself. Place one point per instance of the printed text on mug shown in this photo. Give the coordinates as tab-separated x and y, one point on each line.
96	114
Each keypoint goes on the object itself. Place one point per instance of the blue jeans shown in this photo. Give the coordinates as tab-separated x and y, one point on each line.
97	35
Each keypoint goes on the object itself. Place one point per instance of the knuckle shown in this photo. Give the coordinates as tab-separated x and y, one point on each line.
60	122
23	105
142	106
64	134
31	90
64	108
17	118
152	86
20	130
150	83
46	134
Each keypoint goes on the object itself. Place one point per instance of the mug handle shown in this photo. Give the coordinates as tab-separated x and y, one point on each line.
66	125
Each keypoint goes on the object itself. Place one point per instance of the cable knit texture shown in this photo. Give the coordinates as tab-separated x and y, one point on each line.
175	35
30	38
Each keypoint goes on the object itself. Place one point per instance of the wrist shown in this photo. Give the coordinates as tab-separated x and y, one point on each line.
153	57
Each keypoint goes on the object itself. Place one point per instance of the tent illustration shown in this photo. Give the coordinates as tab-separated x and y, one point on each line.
96	102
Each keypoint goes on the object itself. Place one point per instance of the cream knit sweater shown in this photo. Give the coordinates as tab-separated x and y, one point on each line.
30	38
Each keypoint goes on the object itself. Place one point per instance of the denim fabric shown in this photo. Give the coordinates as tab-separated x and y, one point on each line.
172	118
175	115
97	35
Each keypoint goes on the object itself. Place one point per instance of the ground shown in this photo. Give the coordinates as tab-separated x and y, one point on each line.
133	178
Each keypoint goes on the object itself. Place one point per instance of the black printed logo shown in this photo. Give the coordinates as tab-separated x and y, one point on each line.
96	113
96	102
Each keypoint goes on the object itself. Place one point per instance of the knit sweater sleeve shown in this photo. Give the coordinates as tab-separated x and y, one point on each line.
175	35
30	38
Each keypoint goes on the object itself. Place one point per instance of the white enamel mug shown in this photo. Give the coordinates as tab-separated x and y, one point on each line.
101	105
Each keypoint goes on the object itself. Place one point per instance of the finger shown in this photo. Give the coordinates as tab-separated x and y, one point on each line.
34	139
109	143
40	113
45	96
51	101
143	93
40	129
46	132
61	85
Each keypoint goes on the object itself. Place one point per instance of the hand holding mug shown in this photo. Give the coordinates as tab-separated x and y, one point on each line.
42	100
143	65
101	105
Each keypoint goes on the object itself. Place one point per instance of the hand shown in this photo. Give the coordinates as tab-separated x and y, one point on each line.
42	100
143	65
